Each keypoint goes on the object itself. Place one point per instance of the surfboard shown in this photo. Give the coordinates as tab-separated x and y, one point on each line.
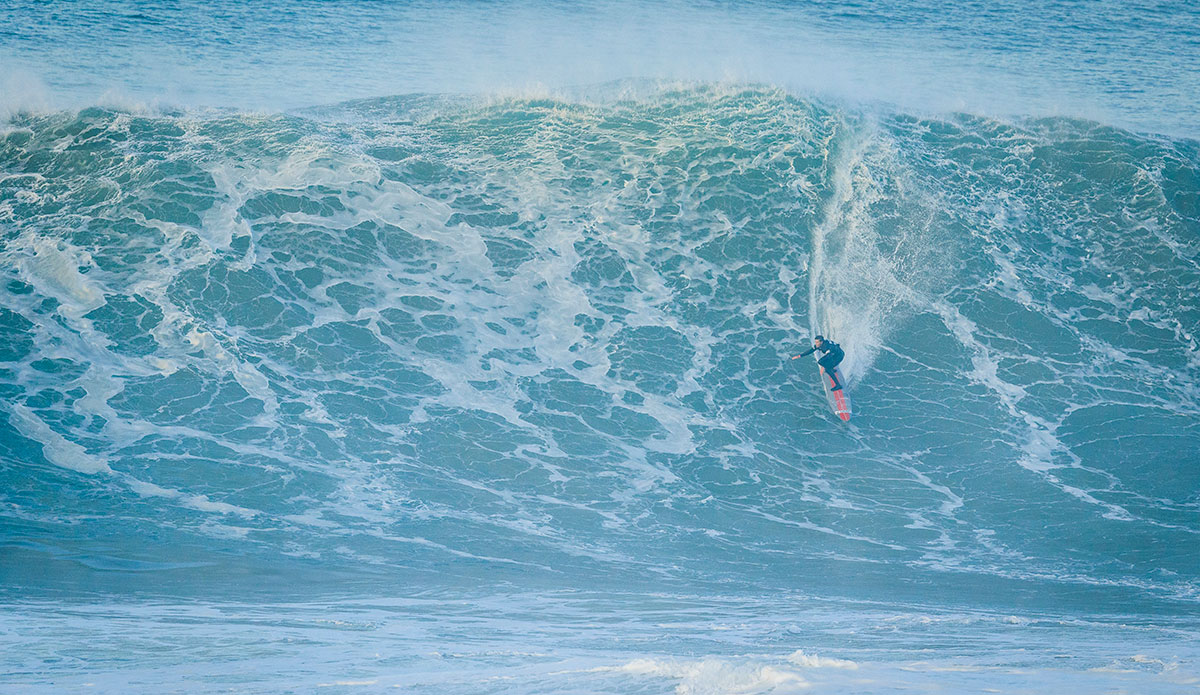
839	401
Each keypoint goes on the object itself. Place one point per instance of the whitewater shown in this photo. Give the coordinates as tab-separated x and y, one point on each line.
445	348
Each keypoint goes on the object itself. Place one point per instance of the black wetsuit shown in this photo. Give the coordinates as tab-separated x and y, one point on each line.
833	357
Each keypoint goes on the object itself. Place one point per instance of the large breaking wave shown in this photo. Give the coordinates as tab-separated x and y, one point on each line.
544	341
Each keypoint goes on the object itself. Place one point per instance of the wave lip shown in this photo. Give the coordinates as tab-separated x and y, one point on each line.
1130	66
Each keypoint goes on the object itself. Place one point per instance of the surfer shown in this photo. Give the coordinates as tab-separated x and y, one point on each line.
833	357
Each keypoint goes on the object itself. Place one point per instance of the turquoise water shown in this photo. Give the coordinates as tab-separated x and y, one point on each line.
445	348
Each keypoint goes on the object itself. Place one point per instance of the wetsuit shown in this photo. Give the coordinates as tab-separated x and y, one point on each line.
833	357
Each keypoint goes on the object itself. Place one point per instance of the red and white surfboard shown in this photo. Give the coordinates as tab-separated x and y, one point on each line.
839	401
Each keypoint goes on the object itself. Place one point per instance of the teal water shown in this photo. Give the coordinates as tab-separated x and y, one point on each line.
488	390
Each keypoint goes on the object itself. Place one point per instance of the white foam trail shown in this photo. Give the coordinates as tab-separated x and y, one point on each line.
799	658
54	269
64	453
198	502
56	448
1041	445
714	676
854	286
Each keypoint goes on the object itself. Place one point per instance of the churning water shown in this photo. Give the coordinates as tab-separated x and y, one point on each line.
445	348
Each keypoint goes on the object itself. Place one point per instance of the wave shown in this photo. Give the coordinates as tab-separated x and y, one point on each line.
547	338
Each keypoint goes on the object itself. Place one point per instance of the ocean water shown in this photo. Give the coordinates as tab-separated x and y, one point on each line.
443	348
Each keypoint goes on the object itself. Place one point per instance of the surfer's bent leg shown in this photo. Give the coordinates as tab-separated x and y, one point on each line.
829	362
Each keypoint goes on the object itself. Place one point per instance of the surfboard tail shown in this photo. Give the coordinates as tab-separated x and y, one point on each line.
839	400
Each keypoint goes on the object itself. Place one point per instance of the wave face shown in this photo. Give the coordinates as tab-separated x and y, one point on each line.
539	346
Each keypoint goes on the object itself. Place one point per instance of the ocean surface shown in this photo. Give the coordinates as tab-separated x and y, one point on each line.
444	347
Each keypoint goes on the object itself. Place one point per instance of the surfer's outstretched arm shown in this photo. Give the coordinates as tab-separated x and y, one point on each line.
805	354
